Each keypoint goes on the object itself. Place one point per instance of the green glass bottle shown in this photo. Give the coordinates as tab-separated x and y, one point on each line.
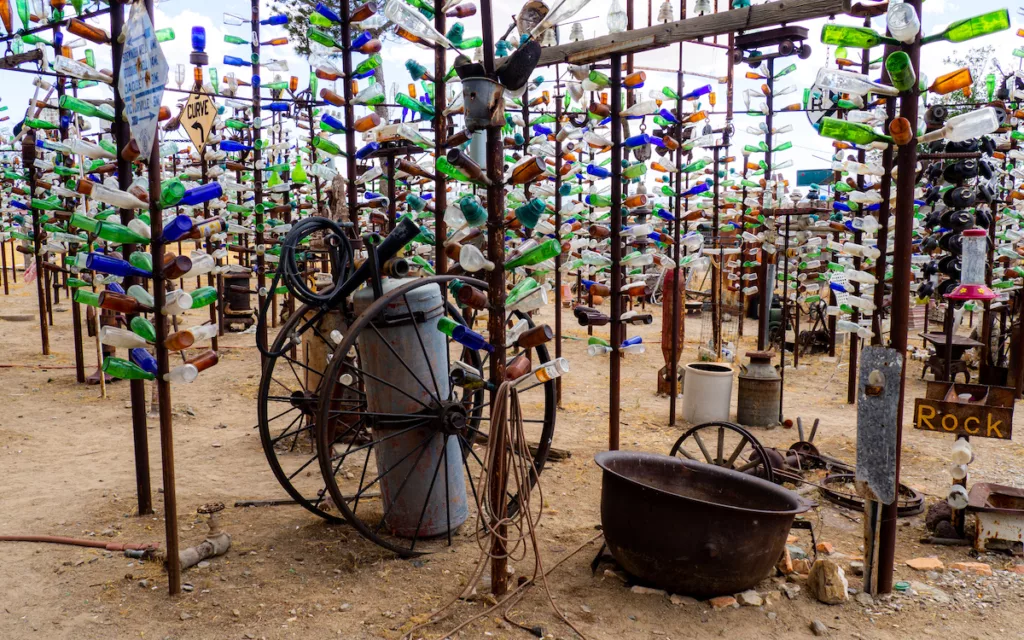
544	251
86	297
901	71
36	123
125	370
316	35
970	28
203	296
856	37
427	111
230	39
450	170
82	107
695	166
325	145
854	132
171	192
143	328
164	35
141	260
119	234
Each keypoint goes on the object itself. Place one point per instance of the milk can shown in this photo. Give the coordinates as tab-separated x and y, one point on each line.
757	403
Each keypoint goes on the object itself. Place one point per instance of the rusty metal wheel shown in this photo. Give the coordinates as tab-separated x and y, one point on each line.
723	444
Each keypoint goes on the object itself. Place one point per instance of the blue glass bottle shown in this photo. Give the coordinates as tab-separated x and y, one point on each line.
176	228
202	193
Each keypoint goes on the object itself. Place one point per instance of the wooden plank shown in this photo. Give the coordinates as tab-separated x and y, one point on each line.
13	60
649	38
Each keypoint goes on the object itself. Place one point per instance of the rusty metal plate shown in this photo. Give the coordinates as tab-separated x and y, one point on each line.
878	399
991	416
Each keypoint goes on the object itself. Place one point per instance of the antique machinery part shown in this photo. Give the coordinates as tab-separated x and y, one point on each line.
217	542
911	502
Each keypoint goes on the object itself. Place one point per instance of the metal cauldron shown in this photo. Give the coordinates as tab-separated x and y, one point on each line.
690	527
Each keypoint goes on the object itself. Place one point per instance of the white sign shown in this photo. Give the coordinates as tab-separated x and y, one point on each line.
143	76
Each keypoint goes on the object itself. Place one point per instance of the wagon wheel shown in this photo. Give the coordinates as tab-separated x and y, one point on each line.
422	415
786	48
287	404
725	444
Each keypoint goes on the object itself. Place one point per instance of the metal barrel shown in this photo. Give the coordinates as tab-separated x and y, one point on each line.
757	399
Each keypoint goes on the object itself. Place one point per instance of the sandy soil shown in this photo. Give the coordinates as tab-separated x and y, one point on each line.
67	469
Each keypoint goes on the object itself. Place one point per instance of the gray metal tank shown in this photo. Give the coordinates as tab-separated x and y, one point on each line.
406	485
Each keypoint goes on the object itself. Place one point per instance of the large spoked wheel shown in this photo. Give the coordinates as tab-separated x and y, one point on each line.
288	401
727	445
422	401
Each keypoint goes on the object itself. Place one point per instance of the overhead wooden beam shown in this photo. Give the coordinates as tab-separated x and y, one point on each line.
640	40
15	59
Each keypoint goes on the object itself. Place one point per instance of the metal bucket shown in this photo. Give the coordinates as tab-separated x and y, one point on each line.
485	106
690	527
757	401
411	489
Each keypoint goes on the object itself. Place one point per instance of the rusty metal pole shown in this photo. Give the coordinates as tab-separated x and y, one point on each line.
28	154
76	308
764	292
136	388
851	383
882	238
558	235
163	388
257	174
906	162
615	366
349	111
496	305
392	196
440	142
677	285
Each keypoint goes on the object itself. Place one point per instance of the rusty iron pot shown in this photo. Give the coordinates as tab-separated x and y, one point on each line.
690	527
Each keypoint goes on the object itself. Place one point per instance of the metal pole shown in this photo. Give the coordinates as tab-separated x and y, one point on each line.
440	142
257	173
558	237
677	285
906	162
44	332
163	388
764	311
496	305
136	388
349	111
615	222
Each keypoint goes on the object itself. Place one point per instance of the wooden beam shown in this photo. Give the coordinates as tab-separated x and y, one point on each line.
639	40
15	59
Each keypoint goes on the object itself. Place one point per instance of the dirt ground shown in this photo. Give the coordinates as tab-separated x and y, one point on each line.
66	463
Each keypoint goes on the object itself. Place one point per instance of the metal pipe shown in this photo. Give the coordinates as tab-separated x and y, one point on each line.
163	388
496	304
615	364
764	293
349	110
257	174
906	162
558	237
677	272
440	141
136	388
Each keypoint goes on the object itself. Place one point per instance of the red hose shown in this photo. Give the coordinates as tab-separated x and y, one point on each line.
79	542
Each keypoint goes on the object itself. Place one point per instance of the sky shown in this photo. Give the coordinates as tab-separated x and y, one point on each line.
810	151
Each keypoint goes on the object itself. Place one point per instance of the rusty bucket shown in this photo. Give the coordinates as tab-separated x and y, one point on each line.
690	527
484	102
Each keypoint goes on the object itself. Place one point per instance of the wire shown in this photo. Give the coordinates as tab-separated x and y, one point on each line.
513	453
341	256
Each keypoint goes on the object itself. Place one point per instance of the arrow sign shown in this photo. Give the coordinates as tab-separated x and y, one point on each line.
143	77
197	118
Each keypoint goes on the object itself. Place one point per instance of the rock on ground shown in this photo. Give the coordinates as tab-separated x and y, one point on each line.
827	582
